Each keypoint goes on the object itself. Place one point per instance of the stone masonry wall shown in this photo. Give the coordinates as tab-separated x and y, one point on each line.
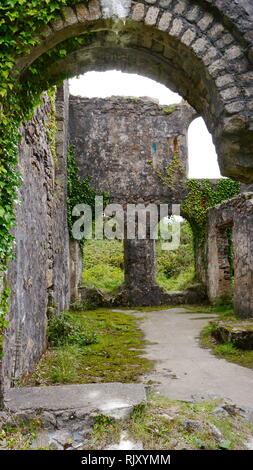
38	276
123	142
238	214
202	49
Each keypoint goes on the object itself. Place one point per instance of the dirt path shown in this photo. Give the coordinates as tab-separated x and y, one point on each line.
186	371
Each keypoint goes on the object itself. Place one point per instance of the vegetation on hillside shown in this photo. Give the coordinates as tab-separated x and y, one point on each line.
103	263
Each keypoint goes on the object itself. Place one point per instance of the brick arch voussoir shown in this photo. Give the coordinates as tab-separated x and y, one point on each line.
203	39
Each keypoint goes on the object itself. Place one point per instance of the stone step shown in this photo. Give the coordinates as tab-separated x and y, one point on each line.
112	399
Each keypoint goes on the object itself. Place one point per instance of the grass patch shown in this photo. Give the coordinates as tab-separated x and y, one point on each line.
160	425
179	282
18	435
227	350
104	260
224	311
114	355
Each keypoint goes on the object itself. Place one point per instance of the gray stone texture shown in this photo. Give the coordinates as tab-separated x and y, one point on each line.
123	142
39	275
137	45
238	214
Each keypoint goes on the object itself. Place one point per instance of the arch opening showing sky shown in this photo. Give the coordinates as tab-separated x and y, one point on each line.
202	155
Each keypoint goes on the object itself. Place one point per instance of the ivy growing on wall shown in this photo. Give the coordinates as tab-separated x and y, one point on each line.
20	20
201	196
80	190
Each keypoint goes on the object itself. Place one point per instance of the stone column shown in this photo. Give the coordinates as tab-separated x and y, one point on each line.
139	271
219	275
139	264
243	265
75	267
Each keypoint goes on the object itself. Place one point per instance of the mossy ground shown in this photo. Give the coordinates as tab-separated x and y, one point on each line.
19	434
115	356
159	425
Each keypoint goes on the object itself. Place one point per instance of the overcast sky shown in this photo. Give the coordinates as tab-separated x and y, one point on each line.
202	155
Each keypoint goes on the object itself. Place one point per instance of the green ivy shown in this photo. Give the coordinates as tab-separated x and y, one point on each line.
201	196
20	21
80	190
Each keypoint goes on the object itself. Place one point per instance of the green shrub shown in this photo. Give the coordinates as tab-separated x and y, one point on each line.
63	329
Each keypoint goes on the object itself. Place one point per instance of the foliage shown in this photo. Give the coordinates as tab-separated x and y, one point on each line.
103	276
115	356
174	172
170	109
80	190
161	424
20	22
63	330
201	196
103	263
175	269
18	433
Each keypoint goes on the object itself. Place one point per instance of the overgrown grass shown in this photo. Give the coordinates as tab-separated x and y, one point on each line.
19	434
160	425
227	350
114	354
103	263
223	311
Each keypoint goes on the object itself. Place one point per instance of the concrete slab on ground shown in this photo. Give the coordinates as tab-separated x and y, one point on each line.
104	397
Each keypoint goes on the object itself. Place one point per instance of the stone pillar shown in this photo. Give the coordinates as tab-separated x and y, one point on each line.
243	265
139	264
76	268
219	270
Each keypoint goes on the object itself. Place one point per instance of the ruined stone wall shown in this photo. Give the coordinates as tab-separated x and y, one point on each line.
123	142
238	214
39	275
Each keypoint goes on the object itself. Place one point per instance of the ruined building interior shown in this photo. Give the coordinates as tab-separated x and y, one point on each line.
201	49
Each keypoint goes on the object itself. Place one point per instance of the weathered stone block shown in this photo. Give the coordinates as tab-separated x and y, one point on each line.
151	16
239	334
165	21
138	12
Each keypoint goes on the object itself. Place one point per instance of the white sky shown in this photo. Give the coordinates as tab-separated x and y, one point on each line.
202	155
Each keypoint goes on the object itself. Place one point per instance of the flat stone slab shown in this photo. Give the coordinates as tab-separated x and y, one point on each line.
108	398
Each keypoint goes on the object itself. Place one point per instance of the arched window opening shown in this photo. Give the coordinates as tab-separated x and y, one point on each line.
202	157
175	269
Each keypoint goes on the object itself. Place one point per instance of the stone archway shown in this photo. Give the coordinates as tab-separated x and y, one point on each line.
198	48
202	52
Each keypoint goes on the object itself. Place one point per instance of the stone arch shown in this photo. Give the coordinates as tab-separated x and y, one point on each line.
196	48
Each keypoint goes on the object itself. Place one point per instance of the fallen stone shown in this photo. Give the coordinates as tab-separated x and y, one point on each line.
220	411
216	433
62	437
42	441
192	424
239	334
